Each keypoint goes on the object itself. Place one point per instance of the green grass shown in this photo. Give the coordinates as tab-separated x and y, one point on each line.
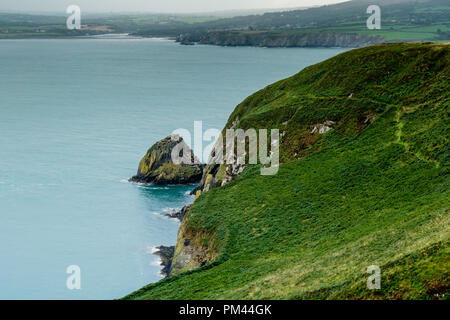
194	19
366	193
434	9
390	32
408	33
50	31
150	19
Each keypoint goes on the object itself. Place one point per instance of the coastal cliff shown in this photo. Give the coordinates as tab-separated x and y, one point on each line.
363	180
280	39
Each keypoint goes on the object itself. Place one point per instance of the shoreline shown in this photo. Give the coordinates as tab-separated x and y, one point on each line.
167	253
128	36
106	36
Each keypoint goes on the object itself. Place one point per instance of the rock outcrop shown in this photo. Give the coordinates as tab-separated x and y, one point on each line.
158	167
166	255
179	214
192	250
219	174
322	128
189	252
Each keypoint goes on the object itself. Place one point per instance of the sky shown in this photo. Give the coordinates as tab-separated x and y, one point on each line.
160	6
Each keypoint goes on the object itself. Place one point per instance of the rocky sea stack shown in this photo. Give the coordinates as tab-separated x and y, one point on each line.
157	166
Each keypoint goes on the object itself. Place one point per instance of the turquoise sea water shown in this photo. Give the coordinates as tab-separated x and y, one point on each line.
76	116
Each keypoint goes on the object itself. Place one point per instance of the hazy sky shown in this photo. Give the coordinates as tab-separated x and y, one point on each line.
154	5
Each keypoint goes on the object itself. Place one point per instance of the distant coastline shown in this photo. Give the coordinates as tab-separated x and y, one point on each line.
272	39
105	36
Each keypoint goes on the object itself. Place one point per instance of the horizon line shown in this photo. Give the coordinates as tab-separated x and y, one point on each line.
262	10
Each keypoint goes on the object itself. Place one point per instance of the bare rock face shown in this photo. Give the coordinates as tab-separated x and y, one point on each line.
180	213
166	255
189	255
185	259
323	127
158	166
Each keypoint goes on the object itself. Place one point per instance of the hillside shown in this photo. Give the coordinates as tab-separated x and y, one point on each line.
402	20
346	13
373	190
342	24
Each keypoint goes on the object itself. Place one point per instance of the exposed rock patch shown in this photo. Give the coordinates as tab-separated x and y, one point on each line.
189	254
166	254
179	214
323	127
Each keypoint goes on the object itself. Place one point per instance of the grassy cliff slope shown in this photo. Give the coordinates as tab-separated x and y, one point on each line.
374	190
